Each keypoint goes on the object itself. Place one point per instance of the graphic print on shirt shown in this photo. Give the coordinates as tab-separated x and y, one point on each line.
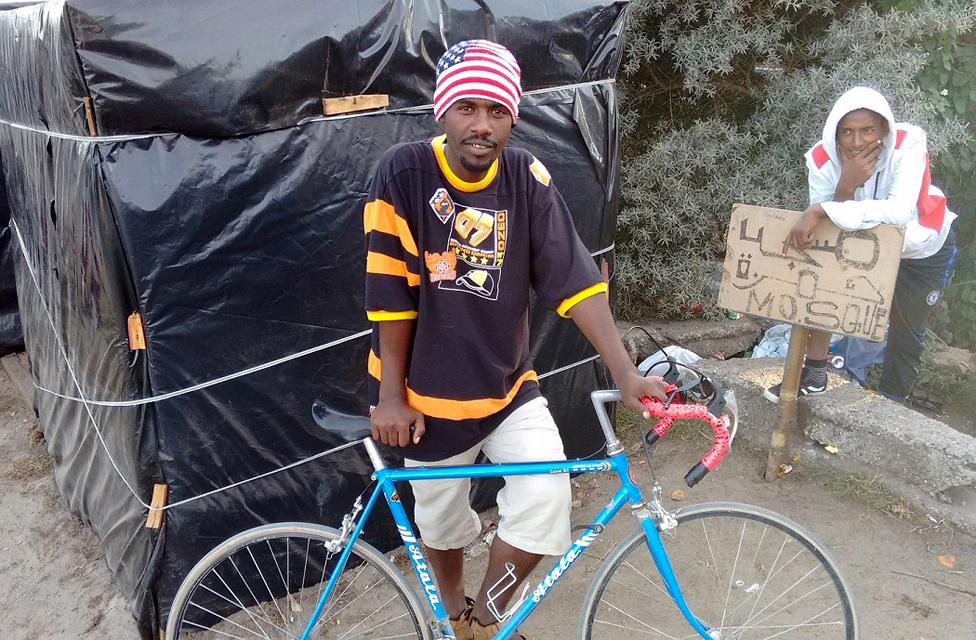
472	261
441	265
442	205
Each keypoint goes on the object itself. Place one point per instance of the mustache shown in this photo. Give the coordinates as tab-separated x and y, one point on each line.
479	140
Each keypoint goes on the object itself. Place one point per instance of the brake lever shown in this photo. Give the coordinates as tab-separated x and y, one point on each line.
671	375
671	392
674	391
718	403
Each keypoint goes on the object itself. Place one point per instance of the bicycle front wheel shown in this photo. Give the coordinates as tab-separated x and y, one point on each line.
266	582
745	572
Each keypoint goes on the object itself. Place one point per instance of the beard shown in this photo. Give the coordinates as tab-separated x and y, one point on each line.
475	167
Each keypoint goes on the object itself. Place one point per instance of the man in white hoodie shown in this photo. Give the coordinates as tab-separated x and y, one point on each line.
869	170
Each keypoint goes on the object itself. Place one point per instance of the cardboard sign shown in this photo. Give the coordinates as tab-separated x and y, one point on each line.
843	282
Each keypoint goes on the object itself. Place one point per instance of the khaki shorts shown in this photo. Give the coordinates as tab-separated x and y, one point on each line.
533	510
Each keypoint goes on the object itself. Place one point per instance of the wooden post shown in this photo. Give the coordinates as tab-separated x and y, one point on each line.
90	116
18	369
136	332
785	423
159	495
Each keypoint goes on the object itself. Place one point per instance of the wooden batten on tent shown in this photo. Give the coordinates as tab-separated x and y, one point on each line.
349	104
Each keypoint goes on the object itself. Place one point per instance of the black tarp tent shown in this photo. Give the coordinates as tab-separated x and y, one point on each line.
11	335
171	159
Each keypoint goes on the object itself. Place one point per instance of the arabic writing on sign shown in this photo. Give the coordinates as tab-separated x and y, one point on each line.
842	282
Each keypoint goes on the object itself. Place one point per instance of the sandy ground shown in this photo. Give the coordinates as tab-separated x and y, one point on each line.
875	539
54	582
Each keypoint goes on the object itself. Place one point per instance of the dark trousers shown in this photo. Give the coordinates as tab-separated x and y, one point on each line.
917	290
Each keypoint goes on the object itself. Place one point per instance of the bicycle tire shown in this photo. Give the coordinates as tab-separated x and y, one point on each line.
244	586
786	590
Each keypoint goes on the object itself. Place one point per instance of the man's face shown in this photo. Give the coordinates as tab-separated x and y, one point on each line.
860	129
477	131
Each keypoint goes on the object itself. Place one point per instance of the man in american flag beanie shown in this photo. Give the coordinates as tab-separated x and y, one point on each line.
478	69
459	230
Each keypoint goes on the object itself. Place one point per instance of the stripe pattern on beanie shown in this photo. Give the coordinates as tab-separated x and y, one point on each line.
478	69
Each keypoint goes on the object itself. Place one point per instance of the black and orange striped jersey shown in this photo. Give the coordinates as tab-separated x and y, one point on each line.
460	258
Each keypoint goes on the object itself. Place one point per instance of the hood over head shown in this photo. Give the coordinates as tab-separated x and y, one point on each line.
852	100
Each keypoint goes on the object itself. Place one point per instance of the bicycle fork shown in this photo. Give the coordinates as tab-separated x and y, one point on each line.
654	518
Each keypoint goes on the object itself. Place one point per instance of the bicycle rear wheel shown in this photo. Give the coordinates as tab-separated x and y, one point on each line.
265	583
745	572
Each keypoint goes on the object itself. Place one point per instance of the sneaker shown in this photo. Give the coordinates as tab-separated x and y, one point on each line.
805	390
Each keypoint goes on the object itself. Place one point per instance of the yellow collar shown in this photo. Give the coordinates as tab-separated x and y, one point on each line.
456	182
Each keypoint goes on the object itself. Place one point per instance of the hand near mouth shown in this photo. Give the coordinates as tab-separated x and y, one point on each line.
857	167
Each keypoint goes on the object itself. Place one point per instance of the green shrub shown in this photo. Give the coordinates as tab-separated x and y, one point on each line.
937	385
948	78
957	324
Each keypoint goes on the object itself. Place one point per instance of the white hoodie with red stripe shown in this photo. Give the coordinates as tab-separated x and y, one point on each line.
900	191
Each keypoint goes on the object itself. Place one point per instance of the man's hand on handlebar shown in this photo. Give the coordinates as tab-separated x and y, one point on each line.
396	424
634	386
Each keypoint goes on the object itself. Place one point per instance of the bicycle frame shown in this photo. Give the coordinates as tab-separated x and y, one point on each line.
628	493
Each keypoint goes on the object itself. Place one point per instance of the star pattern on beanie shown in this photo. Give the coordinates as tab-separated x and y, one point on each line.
478	69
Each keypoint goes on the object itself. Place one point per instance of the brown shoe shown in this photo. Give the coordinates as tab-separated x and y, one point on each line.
462	624
479	632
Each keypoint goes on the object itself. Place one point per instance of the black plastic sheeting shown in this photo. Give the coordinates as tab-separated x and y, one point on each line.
242	243
144	63
11	334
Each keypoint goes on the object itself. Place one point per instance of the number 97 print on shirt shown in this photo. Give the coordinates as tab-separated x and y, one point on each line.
472	260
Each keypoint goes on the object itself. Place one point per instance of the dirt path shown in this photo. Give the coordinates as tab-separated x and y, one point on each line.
875	539
55	583
53	578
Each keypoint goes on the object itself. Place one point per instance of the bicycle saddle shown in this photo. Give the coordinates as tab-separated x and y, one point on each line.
347	426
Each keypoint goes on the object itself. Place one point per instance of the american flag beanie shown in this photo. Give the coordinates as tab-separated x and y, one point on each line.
478	69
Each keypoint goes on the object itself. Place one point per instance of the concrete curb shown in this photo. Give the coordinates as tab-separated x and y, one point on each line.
705	337
923	461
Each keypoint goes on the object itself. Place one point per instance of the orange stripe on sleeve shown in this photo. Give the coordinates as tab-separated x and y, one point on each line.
378	263
384	316
572	301
379	215
373	365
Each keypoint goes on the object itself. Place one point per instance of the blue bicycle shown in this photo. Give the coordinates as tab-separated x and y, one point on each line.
744	572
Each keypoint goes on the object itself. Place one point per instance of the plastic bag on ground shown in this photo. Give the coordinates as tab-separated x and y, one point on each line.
656	364
775	342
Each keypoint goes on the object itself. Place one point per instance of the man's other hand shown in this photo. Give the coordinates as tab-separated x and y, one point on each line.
634	386
396	424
